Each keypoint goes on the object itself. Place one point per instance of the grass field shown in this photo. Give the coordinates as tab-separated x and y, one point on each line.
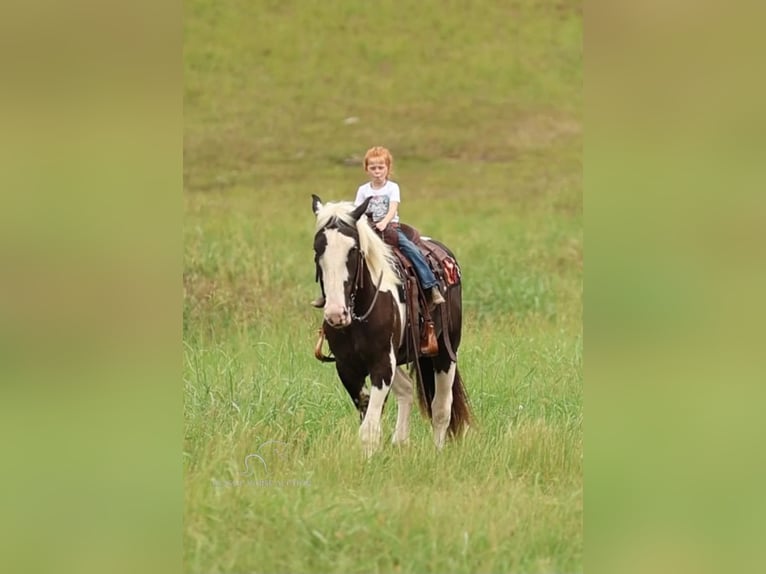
480	104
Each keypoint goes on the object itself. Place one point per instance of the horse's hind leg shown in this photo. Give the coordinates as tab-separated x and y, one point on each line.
441	406
402	387
381	378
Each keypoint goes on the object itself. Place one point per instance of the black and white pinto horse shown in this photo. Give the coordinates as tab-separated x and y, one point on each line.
364	322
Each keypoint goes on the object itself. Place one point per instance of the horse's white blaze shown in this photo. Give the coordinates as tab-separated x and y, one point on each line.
369	432
335	273
441	405
402	387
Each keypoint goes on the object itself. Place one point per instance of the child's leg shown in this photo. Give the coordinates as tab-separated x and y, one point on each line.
426	276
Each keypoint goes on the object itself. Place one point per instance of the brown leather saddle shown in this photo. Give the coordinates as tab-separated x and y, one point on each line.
420	322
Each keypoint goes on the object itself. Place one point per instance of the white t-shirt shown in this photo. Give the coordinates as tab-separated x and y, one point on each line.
381	199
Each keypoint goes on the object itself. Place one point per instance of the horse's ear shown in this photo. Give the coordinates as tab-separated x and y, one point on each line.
316	203
359	211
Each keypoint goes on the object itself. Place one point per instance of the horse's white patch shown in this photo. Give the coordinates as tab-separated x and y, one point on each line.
402	315
441	405
369	432
402	387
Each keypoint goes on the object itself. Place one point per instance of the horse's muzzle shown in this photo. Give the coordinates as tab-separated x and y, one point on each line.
337	316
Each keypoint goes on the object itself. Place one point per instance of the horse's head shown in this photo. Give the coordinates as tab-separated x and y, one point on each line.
338	257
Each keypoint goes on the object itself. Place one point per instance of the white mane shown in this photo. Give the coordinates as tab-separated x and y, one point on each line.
377	254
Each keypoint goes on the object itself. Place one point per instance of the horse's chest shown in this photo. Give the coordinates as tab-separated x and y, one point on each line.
357	344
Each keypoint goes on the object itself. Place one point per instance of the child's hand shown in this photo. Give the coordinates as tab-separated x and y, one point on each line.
380	226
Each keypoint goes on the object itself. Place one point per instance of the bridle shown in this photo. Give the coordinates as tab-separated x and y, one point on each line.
356	284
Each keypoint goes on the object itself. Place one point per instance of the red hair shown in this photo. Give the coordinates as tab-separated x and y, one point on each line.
379	151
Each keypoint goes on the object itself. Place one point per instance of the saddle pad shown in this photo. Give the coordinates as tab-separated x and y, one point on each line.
441	263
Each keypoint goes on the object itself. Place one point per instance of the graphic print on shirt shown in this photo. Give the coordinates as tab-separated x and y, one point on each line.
378	207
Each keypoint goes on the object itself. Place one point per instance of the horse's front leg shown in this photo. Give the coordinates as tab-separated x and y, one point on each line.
402	388
381	377
353	381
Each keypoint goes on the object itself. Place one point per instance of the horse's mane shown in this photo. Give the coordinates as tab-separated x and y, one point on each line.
375	251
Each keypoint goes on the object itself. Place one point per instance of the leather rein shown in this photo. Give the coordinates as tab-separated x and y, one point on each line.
358	284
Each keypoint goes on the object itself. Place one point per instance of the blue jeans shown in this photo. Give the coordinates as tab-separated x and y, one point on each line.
426	276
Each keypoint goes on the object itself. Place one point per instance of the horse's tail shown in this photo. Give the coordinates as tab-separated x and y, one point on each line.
460	416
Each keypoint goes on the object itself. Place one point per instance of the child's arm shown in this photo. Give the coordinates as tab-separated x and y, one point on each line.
383	223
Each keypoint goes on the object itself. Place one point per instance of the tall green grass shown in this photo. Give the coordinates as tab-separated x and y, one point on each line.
480	107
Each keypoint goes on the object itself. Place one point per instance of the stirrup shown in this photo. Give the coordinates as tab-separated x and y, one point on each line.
318	354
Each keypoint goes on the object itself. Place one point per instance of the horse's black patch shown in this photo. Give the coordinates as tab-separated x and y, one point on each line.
320	244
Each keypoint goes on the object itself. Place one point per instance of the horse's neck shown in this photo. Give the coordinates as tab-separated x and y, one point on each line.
366	286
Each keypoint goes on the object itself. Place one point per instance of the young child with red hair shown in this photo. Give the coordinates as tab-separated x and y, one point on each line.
383	209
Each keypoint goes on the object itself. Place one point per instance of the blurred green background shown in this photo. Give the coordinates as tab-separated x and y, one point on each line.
480	105
90	307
